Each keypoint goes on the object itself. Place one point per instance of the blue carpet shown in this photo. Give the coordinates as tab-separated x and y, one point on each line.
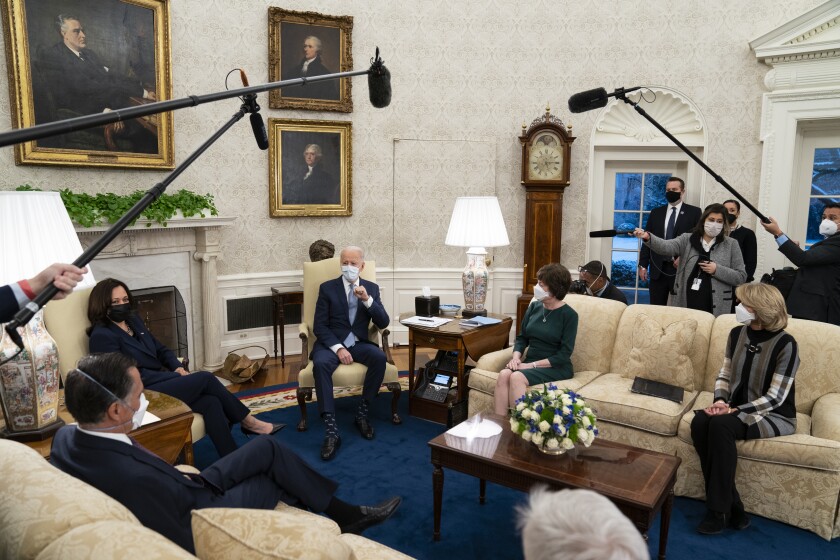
397	462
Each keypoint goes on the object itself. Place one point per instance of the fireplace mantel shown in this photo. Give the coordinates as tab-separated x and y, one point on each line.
200	237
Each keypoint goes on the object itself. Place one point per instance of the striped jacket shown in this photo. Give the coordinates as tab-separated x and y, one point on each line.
768	368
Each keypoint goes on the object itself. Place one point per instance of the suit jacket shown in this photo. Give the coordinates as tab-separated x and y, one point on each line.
155	361
319	188
815	293
332	314
749	249
8	304
327	89
611	292
686	220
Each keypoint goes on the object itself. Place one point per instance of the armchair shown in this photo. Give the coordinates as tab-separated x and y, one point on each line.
315	274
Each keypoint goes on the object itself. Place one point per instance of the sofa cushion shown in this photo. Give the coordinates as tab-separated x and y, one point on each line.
610	397
660	352
223	533
598	320
40	503
113	539
799	449
371	550
485	381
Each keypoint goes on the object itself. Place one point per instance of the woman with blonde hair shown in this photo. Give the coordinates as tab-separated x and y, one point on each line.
754	398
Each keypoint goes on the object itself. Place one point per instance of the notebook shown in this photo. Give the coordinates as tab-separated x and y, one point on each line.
657	389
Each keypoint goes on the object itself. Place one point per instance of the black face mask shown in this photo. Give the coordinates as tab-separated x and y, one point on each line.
119	313
731	218
672	196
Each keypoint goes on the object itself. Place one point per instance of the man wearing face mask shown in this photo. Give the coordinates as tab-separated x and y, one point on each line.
815	294
105	396
666	222
598	284
346	306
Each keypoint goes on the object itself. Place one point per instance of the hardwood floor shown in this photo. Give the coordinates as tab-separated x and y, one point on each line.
275	374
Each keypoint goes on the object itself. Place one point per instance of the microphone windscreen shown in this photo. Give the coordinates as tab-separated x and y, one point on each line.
588	100
379	83
603	233
258	126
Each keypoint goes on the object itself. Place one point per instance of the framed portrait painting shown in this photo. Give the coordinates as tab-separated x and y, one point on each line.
310	169
70	58
305	45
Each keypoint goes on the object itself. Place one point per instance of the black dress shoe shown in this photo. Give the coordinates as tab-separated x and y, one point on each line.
713	524
274	429
329	447
364	427
739	520
373	515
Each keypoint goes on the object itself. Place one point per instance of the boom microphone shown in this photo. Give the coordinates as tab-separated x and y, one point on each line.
257	124
379	82
609	232
595	98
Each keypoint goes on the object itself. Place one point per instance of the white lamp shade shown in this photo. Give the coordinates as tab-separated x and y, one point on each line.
477	222
35	232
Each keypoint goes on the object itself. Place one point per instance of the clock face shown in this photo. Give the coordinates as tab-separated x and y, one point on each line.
545	158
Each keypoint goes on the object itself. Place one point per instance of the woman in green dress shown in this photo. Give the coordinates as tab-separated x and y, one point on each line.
548	332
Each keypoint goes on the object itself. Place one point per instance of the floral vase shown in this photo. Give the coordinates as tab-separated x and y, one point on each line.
560	450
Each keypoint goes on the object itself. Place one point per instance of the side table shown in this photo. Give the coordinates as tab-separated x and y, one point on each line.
281	297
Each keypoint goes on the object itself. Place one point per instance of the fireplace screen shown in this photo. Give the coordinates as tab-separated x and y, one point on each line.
162	310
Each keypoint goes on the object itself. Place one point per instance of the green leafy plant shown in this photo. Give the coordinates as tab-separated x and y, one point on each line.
89	210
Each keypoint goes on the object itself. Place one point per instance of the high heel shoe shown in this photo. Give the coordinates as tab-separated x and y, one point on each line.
274	429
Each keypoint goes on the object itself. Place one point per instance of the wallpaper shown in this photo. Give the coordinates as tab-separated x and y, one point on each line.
466	75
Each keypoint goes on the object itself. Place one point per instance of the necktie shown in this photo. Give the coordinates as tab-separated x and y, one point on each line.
672	219
353	306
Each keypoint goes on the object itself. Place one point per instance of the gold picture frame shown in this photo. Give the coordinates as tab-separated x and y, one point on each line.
291	48
310	168
69	58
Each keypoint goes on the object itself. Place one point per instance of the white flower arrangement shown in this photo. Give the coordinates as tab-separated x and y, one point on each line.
554	419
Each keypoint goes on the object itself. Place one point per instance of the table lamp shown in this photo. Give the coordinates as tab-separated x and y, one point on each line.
476	223
35	232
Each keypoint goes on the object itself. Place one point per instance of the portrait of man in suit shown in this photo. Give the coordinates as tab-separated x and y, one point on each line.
311	65
311	179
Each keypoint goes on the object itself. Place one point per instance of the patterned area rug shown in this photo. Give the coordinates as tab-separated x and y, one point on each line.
282	396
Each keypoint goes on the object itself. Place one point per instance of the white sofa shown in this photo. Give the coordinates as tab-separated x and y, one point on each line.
794	479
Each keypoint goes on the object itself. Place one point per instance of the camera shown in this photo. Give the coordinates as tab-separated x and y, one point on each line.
577	287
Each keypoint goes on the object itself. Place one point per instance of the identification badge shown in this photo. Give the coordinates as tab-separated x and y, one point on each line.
696	284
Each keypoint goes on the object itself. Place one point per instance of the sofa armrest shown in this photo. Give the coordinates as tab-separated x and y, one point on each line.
303	332
825	417
495	361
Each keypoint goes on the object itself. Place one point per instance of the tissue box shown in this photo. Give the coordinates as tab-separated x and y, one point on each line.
426	306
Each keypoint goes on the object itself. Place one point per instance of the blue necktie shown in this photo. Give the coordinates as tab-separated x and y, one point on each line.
352	305
669	231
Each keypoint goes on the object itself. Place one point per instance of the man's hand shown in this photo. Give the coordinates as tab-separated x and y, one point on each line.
361	293
65	277
181	371
772	227
344	356
643	275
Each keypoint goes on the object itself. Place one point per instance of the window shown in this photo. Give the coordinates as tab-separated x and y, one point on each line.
825	187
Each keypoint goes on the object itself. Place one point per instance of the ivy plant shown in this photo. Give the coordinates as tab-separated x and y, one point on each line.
89	210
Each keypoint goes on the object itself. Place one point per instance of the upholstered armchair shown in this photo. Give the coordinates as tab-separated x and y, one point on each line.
352	375
67	321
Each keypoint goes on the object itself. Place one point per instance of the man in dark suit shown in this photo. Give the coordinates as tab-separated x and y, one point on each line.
815	293
598	284
82	83
105	396
312	65
315	185
14	296
667	222
345	308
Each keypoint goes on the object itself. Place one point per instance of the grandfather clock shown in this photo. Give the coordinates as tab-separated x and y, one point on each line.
546	148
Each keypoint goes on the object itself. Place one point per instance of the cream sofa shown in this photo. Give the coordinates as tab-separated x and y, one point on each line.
46	514
794	479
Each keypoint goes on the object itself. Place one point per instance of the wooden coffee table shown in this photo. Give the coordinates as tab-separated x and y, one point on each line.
639	482
169	438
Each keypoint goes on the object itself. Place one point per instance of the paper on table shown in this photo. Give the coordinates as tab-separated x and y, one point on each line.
149	418
425	321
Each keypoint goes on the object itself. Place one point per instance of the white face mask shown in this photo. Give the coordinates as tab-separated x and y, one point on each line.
350	272
713	229
742	315
828	228
137	418
539	293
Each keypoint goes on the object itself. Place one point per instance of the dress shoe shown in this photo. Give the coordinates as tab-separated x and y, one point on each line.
329	447
713	523
739	520
274	429
373	515
364	427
